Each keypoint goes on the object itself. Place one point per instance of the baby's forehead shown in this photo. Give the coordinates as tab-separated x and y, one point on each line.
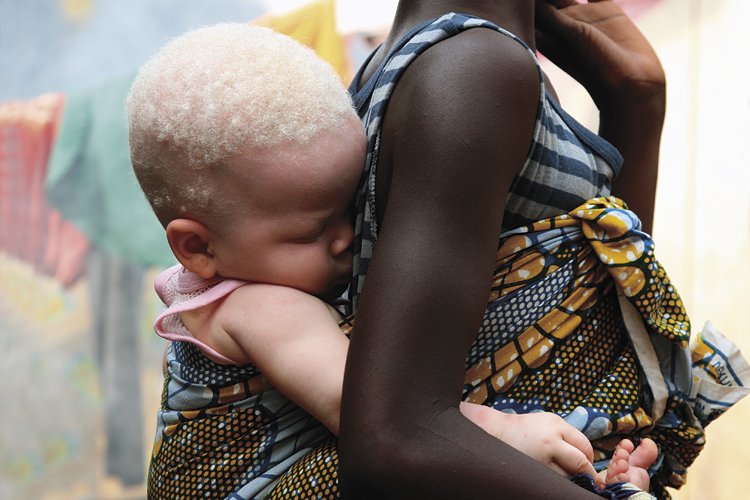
303	167
328	165
280	170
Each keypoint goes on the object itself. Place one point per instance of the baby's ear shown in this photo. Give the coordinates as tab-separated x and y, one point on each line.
189	240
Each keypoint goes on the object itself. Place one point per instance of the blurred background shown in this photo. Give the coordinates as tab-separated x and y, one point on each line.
80	366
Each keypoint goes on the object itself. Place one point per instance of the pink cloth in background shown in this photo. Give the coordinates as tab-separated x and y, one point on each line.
636	7
31	230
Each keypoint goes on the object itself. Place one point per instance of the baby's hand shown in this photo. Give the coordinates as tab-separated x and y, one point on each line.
630	464
545	437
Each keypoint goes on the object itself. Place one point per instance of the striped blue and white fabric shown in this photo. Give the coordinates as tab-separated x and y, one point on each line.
567	164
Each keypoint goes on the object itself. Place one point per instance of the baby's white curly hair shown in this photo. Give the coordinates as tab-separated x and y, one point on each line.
215	92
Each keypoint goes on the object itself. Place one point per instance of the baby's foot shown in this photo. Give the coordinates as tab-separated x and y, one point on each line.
618	470
630	464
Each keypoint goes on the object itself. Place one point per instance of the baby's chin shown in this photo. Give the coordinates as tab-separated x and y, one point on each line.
335	291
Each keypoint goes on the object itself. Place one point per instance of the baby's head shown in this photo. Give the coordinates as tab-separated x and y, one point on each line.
243	140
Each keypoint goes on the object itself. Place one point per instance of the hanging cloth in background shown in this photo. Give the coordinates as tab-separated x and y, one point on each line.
91	182
314	25
30	229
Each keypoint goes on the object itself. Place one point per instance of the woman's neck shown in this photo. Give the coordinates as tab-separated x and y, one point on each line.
517	16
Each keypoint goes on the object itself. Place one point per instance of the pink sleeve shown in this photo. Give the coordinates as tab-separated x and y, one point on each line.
168	325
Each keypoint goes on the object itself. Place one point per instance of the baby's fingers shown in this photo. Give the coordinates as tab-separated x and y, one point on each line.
569	460
577	439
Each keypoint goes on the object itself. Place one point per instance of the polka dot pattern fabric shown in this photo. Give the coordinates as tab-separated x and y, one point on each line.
222	431
223	455
314	476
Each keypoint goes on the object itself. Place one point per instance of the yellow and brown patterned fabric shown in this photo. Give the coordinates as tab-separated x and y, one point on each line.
584	322
224	432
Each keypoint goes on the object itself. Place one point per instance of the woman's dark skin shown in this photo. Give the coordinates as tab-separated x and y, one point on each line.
457	130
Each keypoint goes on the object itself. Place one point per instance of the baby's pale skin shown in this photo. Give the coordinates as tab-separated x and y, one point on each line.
287	230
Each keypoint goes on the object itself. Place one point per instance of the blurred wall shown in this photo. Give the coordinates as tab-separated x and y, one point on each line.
703	200
63	45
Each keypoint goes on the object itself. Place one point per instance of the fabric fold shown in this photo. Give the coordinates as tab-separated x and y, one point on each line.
600	336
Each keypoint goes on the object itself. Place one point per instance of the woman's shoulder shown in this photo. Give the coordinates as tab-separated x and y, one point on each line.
470	74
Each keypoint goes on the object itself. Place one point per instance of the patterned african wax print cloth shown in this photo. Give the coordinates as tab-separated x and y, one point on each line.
584	322
224	432
581	321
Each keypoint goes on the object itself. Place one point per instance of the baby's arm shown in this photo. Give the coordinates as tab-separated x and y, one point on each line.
294	340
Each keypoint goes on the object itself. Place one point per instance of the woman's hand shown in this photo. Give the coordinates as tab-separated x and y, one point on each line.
597	44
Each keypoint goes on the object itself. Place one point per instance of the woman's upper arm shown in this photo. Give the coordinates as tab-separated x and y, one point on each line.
454	136
456	132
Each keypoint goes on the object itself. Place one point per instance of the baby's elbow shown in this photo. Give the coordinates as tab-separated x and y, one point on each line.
333	426
330	415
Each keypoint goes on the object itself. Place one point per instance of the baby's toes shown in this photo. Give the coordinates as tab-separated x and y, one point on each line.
618	470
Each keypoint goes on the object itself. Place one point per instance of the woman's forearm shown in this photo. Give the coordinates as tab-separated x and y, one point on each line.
446	457
634	126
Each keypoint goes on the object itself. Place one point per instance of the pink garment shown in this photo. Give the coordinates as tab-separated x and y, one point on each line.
182	290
